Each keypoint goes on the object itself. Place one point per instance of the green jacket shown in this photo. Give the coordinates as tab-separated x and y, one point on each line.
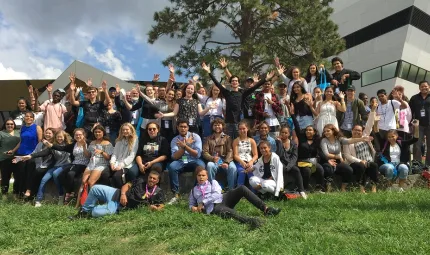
359	113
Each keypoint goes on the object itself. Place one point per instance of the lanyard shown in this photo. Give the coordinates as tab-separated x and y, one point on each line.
204	188
149	195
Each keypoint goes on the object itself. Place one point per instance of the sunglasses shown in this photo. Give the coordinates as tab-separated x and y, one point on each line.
152	129
9	124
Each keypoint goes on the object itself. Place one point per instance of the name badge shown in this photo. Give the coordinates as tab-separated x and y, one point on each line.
423	113
185	159
249	112
166	124
191	122
107	129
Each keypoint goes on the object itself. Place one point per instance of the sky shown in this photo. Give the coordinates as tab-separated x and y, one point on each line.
40	39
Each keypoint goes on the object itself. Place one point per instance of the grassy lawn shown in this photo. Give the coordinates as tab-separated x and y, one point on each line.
351	223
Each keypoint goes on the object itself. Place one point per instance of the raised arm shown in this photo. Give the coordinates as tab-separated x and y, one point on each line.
249	91
223	63
107	97
216	82
72	89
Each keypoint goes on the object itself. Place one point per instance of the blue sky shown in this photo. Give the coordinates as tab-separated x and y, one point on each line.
110	35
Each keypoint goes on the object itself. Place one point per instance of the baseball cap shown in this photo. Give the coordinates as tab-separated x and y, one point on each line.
61	91
249	79
112	88
350	87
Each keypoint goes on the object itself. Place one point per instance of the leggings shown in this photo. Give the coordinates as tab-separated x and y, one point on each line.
318	175
342	169
67	177
295	173
371	171
225	209
24	170
7	169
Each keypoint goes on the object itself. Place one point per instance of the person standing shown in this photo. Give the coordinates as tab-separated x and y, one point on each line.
355	113
420	108
342	77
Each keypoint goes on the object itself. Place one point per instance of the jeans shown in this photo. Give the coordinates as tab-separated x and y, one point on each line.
424	131
51	173
177	167
388	171
231	171
306	173
305	121
207	129
113	135
232	130
101	193
117	176
241	175
371	171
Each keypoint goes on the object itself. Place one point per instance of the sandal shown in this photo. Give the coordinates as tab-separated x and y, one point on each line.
69	198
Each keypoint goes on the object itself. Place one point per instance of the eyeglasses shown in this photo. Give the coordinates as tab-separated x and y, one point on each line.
92	92
152	129
9	124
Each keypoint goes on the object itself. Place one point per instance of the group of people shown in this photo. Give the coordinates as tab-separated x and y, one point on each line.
281	126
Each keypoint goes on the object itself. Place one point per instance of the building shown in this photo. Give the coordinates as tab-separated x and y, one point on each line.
387	41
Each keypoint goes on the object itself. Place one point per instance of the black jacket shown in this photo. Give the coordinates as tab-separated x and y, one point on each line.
405	152
353	75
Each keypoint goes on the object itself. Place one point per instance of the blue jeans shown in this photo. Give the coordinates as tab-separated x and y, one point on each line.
101	193
305	121
241	175
388	171
113	135
232	130
231	171
177	167
207	129
51	173
132	173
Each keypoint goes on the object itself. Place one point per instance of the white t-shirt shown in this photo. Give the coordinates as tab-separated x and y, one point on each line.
395	154
219	105
385	112
272	120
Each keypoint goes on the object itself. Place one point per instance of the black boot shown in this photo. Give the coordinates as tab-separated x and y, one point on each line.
80	215
271	211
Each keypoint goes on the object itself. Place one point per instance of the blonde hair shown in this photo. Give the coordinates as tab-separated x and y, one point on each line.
66	136
131	139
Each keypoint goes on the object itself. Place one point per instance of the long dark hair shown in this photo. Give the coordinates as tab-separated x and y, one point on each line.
293	95
101	128
184	91
27	104
308	73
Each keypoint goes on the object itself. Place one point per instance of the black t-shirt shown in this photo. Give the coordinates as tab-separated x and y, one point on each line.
92	112
267	173
150	149
136	194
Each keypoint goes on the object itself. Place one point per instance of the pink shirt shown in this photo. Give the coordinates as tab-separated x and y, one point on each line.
54	114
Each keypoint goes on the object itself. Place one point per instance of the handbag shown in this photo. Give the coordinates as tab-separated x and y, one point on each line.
323	78
84	194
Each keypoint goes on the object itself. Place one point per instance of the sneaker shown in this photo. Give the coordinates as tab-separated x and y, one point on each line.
254	223
303	194
60	200
174	200
80	215
401	190
271	211
37	204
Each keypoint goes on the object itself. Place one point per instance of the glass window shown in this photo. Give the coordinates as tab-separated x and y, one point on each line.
404	70
427	77
389	71
371	76
412	73
421	75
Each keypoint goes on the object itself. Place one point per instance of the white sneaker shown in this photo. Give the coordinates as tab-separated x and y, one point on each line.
60	200
303	194
174	200
401	190
38	204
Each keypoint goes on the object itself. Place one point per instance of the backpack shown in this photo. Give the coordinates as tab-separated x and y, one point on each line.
417	167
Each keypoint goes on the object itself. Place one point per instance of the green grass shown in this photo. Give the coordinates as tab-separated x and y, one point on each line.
351	223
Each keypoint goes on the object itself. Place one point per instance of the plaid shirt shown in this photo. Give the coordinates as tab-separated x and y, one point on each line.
259	106
362	151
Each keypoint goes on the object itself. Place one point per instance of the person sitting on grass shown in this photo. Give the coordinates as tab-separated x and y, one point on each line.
206	197
130	196
267	175
395	154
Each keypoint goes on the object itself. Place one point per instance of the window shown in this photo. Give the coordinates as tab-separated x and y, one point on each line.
421	75
427	77
412	75
389	71
404	70
371	76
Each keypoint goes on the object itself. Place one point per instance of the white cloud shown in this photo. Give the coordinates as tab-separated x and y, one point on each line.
10	74
114	64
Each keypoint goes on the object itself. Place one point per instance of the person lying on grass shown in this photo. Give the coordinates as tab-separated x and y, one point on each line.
132	195
206	197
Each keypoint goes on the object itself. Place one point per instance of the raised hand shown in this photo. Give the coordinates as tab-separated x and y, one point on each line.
49	88
195	78
256	78
72	77
291	108
341	95
280	69
89	82
270	75
30	89
223	63
395	94
205	67
171	68
156	77
72	86
368	138
374	105
104	85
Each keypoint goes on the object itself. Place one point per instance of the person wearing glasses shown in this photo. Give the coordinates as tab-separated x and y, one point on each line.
9	144
186	150
93	109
